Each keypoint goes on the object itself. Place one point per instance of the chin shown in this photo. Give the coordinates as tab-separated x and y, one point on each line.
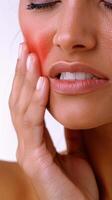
79	121
81	112
76	122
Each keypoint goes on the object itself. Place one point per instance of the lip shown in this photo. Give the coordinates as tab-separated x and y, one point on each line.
63	66
76	87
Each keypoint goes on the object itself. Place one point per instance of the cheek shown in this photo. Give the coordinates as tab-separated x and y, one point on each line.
40	44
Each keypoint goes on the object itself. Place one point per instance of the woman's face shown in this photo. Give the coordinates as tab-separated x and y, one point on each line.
79	34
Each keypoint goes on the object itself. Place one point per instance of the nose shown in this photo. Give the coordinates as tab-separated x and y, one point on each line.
75	31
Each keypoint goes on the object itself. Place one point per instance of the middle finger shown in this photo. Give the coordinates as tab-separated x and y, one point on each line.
29	85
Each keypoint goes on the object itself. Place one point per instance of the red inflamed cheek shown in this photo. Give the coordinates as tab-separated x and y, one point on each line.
41	47
44	48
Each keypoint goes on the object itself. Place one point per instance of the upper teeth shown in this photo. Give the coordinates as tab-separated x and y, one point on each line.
76	76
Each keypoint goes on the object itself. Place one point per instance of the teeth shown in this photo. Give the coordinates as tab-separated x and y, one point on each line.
76	76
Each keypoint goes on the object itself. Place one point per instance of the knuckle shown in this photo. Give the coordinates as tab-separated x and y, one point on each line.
35	100
18	109
19	75
27	121
31	122
30	83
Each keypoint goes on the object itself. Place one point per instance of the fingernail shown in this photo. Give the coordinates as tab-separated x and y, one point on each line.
29	63
40	83
20	51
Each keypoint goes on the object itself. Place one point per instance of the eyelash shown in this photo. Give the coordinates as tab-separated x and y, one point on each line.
40	6
49	5
107	4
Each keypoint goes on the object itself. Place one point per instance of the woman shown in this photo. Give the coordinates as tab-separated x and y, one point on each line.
65	66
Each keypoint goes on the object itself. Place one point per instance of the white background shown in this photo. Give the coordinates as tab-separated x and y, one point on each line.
10	37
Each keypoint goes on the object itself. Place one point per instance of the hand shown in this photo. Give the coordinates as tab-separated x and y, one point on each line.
54	176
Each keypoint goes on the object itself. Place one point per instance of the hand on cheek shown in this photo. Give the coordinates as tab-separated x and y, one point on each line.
28	101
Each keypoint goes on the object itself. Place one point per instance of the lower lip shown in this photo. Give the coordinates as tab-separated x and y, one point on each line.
75	87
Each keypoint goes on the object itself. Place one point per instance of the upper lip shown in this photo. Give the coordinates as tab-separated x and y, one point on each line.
63	66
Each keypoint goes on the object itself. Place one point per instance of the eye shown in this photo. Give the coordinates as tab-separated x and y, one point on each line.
39	6
107	4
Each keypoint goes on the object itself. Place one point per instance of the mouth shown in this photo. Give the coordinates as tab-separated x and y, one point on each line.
74	71
75	78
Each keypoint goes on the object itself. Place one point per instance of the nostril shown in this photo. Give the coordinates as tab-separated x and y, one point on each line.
78	46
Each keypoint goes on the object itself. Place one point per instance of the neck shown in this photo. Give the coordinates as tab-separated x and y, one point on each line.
98	142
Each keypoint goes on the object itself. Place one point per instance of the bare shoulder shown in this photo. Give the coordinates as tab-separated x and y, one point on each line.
14	184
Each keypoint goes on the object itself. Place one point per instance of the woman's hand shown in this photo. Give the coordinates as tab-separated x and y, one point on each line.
54	176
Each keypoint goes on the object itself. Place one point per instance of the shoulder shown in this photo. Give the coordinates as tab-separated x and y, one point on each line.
14	184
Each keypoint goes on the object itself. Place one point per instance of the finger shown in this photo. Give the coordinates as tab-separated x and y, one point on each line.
74	141
33	121
29	84
19	74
